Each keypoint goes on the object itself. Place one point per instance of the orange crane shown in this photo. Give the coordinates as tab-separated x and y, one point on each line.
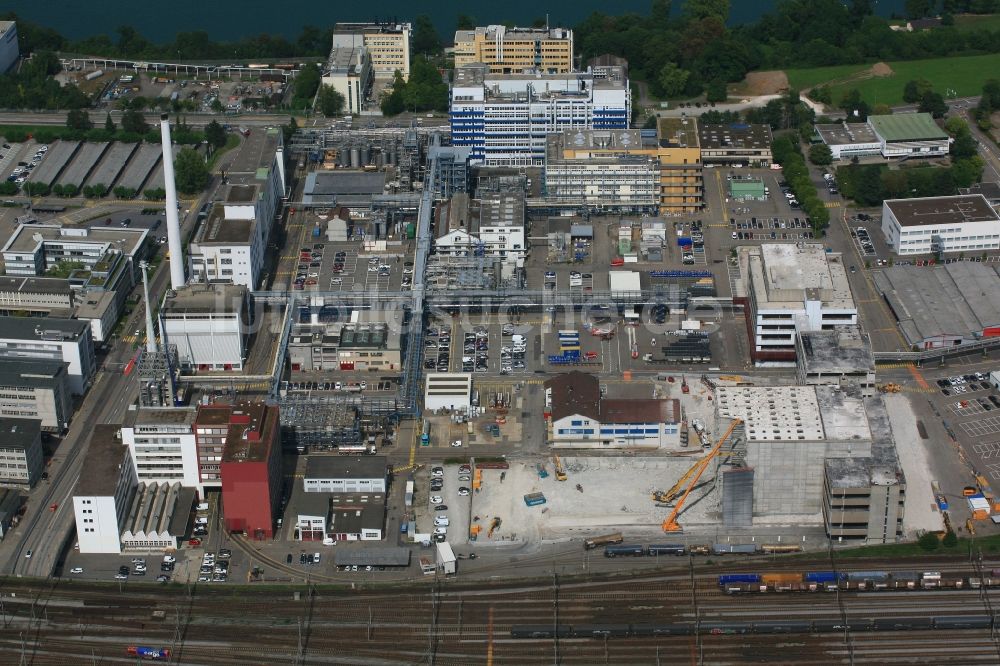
670	524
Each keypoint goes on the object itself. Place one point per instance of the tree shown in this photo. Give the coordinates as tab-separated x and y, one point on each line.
928	541
133	121
216	106
393	103
716	91
933	104
854	106
109	125
956	125
330	101
916	9
306	84
950	539
659	12
820	154
698	9
215	135
78	119
881	109
914	90
673	79
426	40
821	94
190	171
465	22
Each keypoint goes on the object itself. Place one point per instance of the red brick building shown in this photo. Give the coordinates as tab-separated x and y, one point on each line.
251	469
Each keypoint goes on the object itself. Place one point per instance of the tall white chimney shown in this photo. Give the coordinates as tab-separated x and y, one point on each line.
150	332
173	223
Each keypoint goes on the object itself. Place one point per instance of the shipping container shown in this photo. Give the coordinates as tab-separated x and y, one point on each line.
534	499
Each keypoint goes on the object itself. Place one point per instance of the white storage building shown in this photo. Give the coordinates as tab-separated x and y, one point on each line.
209	324
445	390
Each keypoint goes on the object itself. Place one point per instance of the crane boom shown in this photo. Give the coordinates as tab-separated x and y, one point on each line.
670	524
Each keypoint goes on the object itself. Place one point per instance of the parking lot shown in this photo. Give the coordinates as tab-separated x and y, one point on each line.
448	504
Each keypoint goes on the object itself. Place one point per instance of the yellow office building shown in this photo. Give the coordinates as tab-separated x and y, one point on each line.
514	50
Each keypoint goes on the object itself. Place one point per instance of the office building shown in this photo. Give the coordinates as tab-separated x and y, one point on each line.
21	456
36	389
35	296
939	225
514	50
9	49
505	118
209	324
65	340
388	45
349	70
251	470
341	474
231	241
786	289
910	135
737	144
33	249
162	445
579	417
104	493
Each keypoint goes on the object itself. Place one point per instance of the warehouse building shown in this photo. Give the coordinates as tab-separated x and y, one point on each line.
910	135
330	517
388	45
65	340
849	140
250	468
21	456
942	305
787	289
444	390
504	118
340	474
514	50
939	225
36	389
209	324
579	417
735	145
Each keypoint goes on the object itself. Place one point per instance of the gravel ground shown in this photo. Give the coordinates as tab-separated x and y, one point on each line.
920	511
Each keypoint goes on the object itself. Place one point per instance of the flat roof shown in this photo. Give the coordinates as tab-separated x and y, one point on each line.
642	410
957	299
906	127
772	413
218	297
332	183
840	134
26	237
217	229
881	466
102	464
677	132
843	416
548	84
934	211
785	275
39	373
160	416
35	285
19	433
514	33
601	140
252	428
735	135
344	57
845	349
47	328
374	556
346	467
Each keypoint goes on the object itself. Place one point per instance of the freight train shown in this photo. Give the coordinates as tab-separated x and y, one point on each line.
859	581
151	653
712	627
619	550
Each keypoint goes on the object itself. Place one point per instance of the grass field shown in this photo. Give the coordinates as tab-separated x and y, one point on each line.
965	75
989	544
972	22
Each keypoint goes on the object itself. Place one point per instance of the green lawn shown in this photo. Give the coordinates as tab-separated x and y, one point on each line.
989	545
981	22
965	75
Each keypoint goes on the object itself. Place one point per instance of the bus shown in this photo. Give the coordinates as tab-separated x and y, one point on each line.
605	540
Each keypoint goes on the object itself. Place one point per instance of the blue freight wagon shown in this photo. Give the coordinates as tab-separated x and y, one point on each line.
822	576
623	550
666	549
726	579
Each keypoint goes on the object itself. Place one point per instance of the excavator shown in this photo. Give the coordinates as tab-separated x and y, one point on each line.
494	524
692	476
560	471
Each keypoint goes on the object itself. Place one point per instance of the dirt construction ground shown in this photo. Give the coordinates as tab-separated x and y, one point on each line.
764	83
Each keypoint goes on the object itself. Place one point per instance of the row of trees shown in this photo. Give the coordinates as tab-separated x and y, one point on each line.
786	153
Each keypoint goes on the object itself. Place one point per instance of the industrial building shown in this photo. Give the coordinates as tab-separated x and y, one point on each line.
354	345
514	50
162	445
251	470
445	390
21	456
504	118
158	517
9	49
787	289
209	324
849	140
36	389
910	135
349	70
388	45
842	355
65	340
788	432
942	305
451	169
492	226
352	189
737	144
600	169
579	417
340	474
939	225
231	241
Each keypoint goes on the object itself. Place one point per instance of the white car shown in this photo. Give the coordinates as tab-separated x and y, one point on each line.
437	472
436	499
169	559
440	530
441	521
457	443
335	280
76	570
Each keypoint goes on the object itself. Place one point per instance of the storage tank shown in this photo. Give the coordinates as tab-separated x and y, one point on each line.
355	157
343	157
365	154
380	159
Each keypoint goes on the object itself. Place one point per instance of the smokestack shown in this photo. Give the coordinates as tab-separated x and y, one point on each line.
173	223
150	333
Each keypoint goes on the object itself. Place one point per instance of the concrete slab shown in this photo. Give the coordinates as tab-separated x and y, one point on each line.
77	170
139	167
156	178
913	457
57	157
110	167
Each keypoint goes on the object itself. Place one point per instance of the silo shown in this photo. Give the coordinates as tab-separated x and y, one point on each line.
355	157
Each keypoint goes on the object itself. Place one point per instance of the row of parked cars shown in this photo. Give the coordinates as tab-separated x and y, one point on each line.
441	520
24	169
965	383
215	570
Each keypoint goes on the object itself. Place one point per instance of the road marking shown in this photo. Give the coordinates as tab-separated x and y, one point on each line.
832	204
917	375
